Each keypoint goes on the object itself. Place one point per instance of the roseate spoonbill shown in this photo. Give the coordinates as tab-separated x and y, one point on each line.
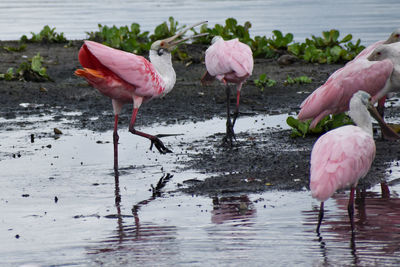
378	74
128	78
230	62
393	38
342	156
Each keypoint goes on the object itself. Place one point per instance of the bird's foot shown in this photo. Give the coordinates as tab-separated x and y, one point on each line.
230	135
159	145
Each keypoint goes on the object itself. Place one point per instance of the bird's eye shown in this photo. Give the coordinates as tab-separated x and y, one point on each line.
160	51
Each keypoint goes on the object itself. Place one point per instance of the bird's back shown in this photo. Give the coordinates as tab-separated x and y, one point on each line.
124	73
339	159
335	94
229	57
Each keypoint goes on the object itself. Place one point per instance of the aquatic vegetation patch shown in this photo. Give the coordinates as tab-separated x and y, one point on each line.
302	129
327	49
297	80
46	35
263	81
20	48
31	70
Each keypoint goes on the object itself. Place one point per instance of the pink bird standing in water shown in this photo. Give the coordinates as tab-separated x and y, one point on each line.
128	78
230	62
344	155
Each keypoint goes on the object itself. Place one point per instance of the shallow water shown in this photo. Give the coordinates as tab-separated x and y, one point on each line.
369	20
61	205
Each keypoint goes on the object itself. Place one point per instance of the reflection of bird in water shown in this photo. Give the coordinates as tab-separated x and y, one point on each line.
128	78
342	156
230	62
138	239
232	208
375	70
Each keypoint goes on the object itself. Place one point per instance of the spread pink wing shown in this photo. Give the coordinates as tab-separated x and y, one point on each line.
225	57
334	96
130	68
339	159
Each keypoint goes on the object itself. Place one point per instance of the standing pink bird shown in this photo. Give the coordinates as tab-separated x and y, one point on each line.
378	74
128	78
342	156
230	62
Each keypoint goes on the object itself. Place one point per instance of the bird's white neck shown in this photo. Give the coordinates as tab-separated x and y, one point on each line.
163	65
360	115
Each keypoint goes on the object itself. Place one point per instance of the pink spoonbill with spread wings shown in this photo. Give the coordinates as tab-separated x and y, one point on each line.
128	78
342	156
377	74
230	62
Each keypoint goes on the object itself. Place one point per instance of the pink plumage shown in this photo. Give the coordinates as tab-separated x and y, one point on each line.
339	159
334	95
359	74
129	78
344	155
125	74
230	62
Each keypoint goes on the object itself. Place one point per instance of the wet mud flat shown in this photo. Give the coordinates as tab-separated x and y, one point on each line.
267	160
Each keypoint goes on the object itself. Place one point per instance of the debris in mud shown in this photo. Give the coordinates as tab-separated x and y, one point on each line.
57	131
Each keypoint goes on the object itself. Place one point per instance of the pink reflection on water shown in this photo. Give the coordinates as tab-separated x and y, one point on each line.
233	208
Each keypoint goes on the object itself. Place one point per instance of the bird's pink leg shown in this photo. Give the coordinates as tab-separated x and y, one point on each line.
385	190
154	139
115	141
350	208
320	216
381	106
229	127
236	114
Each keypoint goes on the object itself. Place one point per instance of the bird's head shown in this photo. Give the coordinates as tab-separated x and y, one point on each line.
394	37
168	44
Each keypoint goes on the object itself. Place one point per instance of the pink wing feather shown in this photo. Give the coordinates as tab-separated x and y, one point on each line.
229	57
339	159
132	69
334	96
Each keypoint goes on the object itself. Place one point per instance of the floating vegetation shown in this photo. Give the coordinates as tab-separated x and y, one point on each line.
302	129
327	49
19	48
297	80
263	81
46	35
31	70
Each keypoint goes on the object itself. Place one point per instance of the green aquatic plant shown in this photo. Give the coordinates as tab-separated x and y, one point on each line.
9	75
230	30
165	30
297	80
327	49
263	81
31	70
46	35
302	129
126	38
280	41
19	48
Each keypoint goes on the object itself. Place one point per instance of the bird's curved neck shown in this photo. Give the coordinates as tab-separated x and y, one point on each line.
163	65
361	118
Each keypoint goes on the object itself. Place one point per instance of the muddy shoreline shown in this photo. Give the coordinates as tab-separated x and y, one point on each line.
258	162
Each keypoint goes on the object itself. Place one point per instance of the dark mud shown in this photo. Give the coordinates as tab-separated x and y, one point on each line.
258	162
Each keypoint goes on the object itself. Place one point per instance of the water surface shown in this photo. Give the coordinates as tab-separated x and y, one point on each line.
369	20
